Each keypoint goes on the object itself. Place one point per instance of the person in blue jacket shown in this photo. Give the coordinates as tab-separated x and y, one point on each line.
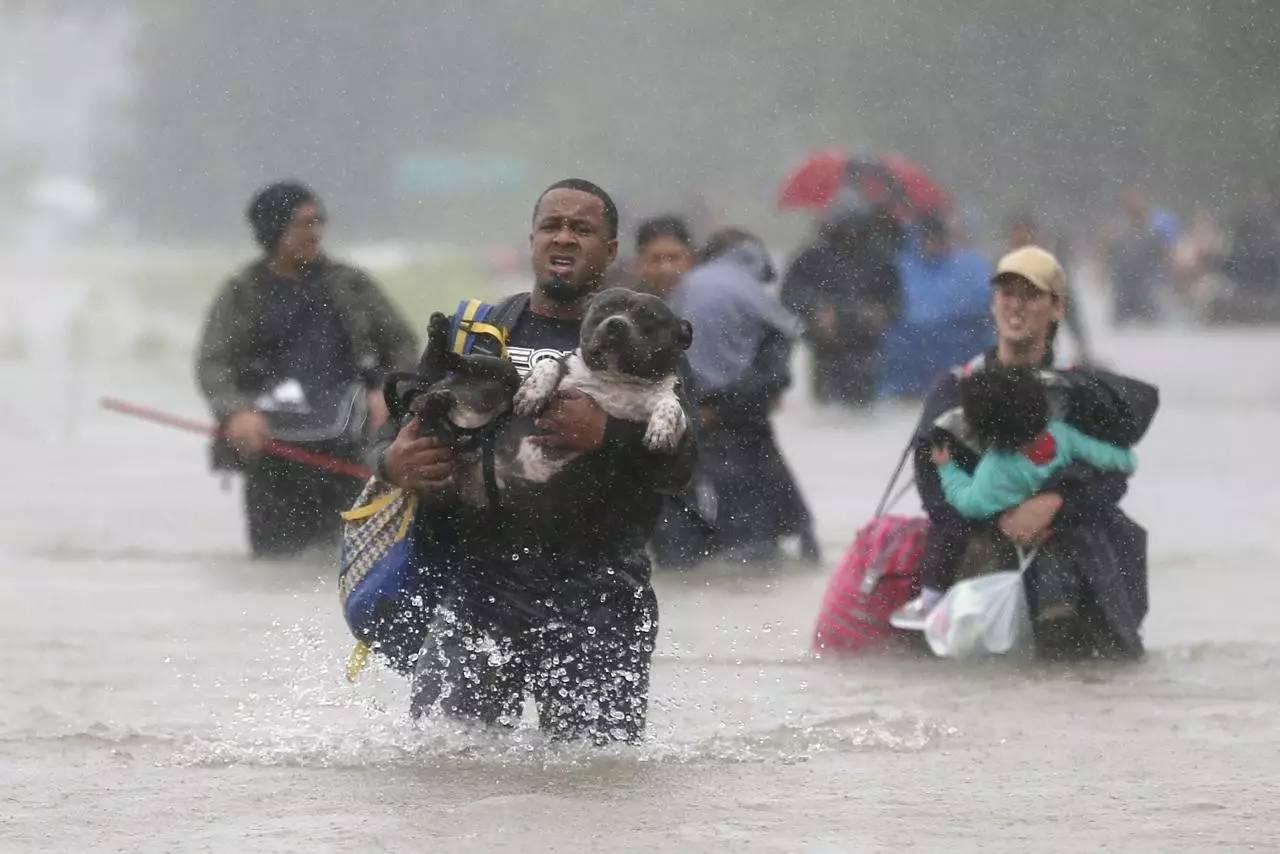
946	298
744	500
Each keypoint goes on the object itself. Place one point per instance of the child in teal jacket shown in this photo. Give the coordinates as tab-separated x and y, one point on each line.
1008	410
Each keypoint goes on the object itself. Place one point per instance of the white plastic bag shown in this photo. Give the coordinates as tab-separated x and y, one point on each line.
987	615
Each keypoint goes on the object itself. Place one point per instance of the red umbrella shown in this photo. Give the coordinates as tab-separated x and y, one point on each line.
891	181
813	184
922	193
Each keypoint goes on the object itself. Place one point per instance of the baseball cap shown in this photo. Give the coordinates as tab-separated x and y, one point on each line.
1035	265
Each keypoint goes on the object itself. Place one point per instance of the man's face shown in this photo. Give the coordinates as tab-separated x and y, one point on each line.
300	243
571	244
1023	313
662	262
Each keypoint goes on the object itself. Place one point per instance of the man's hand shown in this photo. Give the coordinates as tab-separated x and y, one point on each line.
573	422
378	413
418	462
1029	523
248	432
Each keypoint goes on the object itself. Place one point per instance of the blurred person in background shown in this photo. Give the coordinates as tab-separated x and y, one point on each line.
1139	253
739	361
295	347
664	253
845	288
1022	228
945	316
1252	264
1196	264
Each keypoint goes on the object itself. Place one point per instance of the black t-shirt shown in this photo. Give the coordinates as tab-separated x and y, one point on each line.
536	338
598	542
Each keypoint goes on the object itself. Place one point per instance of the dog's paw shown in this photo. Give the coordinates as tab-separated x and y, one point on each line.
666	427
538	388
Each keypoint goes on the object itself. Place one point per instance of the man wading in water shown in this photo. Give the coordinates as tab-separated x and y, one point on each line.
569	617
295	347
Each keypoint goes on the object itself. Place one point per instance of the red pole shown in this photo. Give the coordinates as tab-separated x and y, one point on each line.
323	462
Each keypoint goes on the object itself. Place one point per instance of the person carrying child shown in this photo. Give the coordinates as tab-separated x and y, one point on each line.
1042	486
1008	410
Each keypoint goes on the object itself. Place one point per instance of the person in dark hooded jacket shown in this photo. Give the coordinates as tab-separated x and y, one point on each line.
845	288
296	342
1087	586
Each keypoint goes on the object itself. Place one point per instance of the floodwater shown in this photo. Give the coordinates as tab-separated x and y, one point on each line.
163	693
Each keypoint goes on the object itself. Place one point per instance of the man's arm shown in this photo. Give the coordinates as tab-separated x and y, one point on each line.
218	355
798	291
391	336
749	399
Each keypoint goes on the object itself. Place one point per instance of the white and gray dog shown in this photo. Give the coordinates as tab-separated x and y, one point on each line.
628	352
629	348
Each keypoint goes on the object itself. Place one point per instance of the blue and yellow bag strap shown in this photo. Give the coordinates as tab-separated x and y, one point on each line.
470	322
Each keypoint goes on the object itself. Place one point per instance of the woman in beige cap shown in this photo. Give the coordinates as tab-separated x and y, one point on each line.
1087	586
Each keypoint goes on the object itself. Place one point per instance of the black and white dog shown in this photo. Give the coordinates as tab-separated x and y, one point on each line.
454	396
628	352
629	349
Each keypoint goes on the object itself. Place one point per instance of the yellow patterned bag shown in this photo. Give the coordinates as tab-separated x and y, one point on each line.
385	597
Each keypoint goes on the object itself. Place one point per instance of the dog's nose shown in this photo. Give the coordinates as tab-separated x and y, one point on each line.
615	326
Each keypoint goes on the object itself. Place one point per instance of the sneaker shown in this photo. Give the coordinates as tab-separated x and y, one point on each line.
911	616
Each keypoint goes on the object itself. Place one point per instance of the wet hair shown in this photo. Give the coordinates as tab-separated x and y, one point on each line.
1005	407
754	253
584	186
724	240
663	226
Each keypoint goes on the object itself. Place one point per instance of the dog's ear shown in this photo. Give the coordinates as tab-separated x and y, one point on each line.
438	329
685	338
436	358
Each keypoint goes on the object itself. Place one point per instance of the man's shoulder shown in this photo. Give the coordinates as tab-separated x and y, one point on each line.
238	289
508	310
341	274
519	300
244	277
